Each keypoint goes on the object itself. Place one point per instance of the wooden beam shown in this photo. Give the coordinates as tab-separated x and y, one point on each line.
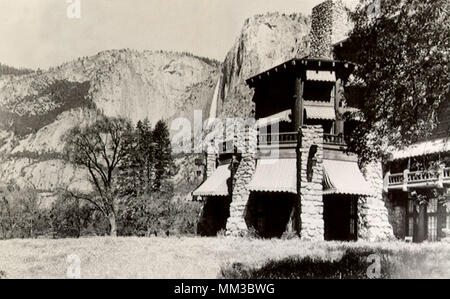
298	106
421	224
339	124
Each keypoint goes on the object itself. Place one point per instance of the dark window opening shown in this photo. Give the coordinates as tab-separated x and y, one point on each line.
312	160
269	213
318	91
340	215
215	213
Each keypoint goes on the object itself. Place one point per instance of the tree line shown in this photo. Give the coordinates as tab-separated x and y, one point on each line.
130	169
9	70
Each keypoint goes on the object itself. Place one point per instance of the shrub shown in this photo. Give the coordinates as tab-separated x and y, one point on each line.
21	214
156	214
352	265
72	218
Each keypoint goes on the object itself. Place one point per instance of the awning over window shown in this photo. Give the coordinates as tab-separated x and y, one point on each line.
424	148
216	184
326	76
275	175
320	112
275	118
344	177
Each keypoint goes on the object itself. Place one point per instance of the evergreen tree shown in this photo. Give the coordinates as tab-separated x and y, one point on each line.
137	169
164	164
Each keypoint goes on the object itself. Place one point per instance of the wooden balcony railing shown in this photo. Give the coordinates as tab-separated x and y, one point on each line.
418	179
277	138
333	139
291	137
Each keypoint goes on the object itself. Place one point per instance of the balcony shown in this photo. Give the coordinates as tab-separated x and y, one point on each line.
417	179
284	140
291	138
277	138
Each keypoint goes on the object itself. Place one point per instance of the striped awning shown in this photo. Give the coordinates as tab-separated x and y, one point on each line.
344	177
440	145
320	112
327	76
216	184
275	175
275	118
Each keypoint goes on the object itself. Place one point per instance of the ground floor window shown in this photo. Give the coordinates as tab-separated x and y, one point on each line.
411	215
432	219
426	222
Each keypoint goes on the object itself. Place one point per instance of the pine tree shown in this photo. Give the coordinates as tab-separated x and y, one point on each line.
164	164
145	150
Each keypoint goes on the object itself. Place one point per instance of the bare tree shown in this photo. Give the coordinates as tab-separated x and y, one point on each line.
100	148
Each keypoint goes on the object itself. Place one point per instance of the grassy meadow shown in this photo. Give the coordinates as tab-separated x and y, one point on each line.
195	257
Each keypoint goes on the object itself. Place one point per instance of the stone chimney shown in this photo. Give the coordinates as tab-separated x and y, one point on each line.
330	24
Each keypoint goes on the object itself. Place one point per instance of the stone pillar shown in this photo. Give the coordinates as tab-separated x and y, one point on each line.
211	158
311	189
242	173
373	221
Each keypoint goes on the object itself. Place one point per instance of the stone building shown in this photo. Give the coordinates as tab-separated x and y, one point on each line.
289	172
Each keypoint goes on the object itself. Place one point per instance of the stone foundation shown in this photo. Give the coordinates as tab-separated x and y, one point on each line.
310	192
373	221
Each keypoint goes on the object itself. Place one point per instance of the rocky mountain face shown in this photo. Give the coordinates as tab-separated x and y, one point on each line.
265	41
38	108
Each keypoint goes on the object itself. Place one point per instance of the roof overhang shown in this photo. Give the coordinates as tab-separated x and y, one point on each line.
323	76
435	146
216	184
297	64
275	175
320	112
344	177
275	118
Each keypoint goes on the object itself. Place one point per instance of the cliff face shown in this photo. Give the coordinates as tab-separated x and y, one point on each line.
127	83
265	41
37	109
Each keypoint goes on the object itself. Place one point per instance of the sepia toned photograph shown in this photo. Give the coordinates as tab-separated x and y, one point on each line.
224	146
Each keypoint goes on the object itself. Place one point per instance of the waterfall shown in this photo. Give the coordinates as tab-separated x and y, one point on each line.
213	108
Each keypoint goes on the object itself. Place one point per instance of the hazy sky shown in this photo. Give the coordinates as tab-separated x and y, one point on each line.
38	33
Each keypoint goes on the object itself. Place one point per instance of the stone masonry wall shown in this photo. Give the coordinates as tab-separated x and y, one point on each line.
373	222
311	199
329	25
242	176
